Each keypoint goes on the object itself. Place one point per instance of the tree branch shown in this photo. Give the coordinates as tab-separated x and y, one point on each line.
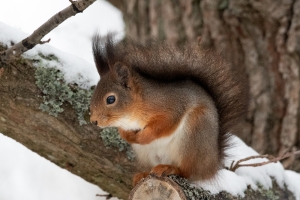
61	140
35	38
107	196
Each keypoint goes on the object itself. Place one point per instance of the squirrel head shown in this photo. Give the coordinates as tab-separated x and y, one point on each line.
115	93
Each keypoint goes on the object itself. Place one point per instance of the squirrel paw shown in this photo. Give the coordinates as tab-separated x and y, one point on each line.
138	177
165	170
130	136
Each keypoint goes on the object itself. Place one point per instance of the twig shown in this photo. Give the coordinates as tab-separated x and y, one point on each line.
46	41
272	159
108	196
75	6
35	38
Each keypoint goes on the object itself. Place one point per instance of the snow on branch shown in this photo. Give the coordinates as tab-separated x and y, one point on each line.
35	38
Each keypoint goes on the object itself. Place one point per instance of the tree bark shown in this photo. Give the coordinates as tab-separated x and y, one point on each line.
262	37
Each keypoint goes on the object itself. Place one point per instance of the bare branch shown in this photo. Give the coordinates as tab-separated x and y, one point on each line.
108	196
46	41
271	158
35	38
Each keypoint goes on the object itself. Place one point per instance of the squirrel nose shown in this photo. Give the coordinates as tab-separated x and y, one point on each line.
93	120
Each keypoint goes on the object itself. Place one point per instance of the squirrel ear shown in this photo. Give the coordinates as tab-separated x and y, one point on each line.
99	55
122	74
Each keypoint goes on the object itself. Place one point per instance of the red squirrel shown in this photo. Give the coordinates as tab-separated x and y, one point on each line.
175	106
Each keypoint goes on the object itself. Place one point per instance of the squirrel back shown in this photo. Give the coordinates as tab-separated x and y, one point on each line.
224	85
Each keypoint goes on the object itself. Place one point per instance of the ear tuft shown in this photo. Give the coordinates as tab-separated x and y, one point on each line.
99	53
122	74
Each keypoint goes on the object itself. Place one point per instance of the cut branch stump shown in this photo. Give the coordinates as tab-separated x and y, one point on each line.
153	187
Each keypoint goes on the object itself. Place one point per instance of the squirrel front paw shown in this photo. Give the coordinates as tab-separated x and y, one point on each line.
165	170
128	135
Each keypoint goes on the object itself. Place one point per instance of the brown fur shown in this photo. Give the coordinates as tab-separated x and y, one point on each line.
187	99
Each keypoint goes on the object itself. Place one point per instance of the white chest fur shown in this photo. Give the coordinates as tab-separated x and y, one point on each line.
127	123
163	150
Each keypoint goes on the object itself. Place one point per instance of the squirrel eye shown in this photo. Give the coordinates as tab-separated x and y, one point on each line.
110	99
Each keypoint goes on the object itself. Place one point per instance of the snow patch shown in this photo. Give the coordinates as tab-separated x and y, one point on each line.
237	182
30	176
75	69
293	182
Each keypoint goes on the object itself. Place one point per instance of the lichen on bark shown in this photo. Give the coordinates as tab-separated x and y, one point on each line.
56	92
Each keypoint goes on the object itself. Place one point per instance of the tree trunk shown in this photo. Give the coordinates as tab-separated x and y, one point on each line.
263	37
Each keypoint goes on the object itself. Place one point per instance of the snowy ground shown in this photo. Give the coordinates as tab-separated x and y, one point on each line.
25	175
